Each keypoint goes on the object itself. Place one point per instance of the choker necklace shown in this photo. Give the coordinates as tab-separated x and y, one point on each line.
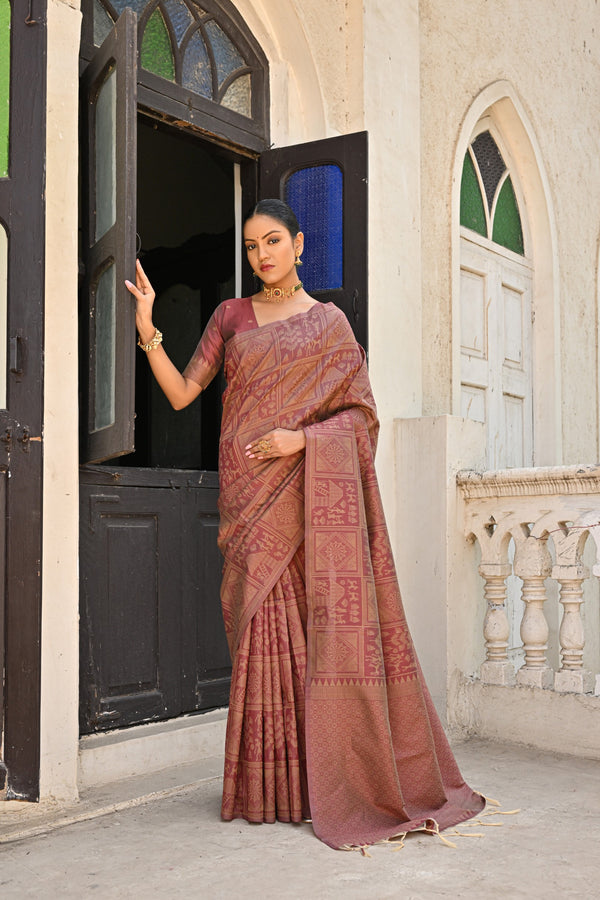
278	295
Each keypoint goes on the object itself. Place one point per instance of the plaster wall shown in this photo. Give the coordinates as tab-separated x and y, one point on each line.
392	118
60	607
436	569
465	47
315	59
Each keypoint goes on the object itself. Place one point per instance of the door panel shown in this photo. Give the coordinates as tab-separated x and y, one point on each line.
152	639
496	342
109	92
22	270
325	182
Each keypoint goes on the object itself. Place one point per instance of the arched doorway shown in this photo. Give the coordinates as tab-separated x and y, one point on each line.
176	136
499	111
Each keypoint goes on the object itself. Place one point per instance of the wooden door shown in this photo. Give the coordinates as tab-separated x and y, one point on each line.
496	347
22	209
325	183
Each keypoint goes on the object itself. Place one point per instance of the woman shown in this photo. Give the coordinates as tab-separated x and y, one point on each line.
329	716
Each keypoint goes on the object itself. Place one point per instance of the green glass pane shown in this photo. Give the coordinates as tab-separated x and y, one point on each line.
3	313
104	387
472	213
106	156
507	229
4	84
238	96
103	23
156	53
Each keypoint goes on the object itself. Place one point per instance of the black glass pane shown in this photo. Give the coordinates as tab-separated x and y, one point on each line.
316	196
490	162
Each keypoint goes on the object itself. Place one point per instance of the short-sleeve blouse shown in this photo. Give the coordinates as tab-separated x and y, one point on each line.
229	318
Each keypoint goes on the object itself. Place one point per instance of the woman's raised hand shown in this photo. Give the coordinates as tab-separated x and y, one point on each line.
143	294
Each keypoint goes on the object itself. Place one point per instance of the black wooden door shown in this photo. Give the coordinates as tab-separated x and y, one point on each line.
151	644
22	210
152	638
325	183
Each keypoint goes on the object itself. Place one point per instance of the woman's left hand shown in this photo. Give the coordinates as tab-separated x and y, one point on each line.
279	442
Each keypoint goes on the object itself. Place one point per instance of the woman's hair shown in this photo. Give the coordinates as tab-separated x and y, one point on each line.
276	209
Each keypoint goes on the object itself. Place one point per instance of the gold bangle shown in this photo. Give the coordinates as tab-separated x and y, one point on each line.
153	344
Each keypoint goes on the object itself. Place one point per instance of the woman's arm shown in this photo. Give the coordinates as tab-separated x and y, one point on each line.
180	391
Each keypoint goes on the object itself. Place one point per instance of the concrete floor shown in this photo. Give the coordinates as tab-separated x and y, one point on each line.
127	842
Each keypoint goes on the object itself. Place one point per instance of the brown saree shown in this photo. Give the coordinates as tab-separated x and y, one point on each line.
329	714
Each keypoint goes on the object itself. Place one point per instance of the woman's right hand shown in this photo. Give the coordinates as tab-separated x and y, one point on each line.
143	294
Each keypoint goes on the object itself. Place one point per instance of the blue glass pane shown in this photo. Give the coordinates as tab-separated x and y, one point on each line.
196	74
180	16
316	196
227	57
137	5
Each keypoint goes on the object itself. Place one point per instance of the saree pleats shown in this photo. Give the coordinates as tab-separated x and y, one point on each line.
265	754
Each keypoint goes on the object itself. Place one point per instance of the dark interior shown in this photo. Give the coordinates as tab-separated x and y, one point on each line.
185	223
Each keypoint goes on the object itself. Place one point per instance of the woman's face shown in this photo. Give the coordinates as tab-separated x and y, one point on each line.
272	250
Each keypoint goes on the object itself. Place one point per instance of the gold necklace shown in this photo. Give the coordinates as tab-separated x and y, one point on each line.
277	294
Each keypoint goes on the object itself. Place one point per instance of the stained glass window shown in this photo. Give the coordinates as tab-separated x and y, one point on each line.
507	222
488	204
227	58
156	53
315	193
4	84
238	96
472	213
196	73
180	16
183	43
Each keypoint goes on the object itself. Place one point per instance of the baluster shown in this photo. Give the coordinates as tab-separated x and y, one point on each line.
497	669
572	677
533	564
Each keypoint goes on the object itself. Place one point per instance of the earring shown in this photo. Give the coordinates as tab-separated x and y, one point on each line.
298	261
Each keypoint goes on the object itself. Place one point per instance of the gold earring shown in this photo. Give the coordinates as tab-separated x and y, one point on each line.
298	261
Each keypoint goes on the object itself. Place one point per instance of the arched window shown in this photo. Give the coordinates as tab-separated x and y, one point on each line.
182	42
488	204
495	304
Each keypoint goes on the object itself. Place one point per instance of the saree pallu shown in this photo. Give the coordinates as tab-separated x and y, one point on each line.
329	712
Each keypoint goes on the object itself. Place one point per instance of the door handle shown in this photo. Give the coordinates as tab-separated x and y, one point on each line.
16	354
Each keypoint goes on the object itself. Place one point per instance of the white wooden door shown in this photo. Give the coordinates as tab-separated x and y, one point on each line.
496	346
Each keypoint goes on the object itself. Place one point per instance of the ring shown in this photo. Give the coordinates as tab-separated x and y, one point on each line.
264	446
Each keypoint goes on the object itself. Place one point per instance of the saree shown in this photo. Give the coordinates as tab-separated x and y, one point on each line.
329	714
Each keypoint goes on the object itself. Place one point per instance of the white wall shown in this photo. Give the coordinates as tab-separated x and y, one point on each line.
551	60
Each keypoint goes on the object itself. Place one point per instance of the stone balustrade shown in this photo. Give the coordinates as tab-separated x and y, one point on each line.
535	524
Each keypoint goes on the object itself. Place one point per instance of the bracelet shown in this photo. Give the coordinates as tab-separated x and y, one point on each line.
153	344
